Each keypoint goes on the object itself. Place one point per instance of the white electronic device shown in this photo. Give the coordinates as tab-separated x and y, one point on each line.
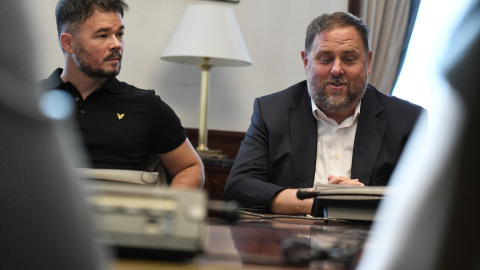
152	222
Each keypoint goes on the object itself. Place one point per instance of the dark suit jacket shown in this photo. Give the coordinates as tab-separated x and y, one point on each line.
280	146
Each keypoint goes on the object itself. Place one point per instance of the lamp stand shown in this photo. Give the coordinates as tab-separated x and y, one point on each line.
202	149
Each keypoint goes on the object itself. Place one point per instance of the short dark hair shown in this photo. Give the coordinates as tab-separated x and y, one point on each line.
69	13
329	21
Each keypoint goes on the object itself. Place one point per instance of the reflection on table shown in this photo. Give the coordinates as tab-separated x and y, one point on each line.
271	242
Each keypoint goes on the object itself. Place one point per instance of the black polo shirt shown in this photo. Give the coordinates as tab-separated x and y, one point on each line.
121	124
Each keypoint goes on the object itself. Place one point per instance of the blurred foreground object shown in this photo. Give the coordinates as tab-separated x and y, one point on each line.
150	223
434	223
45	221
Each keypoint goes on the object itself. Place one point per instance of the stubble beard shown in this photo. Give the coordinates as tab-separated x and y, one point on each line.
83	61
336	103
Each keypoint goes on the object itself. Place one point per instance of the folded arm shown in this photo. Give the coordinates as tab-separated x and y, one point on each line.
254	180
248	182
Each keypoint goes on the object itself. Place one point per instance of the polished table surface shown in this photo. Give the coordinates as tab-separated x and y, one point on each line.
261	241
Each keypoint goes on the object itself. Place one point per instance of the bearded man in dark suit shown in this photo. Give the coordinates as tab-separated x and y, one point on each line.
333	128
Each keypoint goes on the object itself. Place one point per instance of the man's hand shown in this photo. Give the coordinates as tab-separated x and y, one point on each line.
343	180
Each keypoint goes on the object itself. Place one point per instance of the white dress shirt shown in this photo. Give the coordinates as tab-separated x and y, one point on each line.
334	145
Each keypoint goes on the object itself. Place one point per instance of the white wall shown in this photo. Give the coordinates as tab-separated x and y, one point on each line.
274	31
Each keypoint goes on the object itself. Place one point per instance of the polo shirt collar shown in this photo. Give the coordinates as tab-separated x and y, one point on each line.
112	84
54	80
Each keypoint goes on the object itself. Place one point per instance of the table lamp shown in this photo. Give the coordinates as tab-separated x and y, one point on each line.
207	35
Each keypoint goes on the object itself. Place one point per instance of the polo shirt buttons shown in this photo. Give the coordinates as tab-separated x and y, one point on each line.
77	98
82	111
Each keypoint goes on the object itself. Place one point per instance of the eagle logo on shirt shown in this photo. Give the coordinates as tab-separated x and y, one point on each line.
120	116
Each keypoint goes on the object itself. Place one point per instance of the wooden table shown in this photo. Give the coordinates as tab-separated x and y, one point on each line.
258	242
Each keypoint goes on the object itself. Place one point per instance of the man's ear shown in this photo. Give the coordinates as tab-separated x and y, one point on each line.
67	42
369	61
304	60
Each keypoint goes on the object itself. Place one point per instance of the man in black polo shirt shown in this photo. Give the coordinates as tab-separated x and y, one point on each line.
121	125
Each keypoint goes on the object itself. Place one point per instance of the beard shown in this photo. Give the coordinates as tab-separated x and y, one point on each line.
337	102
84	60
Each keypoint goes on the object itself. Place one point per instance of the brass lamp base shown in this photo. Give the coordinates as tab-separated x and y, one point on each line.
211	153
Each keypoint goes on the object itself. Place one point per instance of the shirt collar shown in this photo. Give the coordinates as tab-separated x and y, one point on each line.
54	82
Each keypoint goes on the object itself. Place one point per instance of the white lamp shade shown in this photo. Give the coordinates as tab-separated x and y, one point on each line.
207	31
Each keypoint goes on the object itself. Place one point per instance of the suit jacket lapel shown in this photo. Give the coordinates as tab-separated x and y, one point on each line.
369	137
303	133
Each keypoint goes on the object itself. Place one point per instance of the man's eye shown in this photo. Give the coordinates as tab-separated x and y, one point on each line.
120	34
350	58
325	59
102	36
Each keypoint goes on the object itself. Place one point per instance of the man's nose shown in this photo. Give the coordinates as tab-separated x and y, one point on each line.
115	44
337	68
